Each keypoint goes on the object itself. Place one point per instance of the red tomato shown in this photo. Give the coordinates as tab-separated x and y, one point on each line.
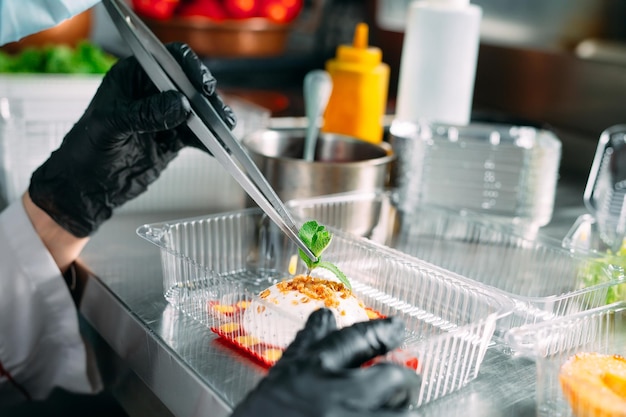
242	9
281	11
211	9
155	9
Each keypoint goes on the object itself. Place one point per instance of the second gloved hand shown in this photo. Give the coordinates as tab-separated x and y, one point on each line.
320	374
126	137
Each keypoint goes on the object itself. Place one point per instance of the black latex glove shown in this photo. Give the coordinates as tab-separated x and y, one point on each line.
320	375
121	144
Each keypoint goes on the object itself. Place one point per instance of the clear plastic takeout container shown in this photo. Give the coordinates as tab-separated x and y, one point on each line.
605	194
215	267
601	330
545	279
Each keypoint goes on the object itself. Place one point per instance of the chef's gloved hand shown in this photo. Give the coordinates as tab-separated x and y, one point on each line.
320	374
121	144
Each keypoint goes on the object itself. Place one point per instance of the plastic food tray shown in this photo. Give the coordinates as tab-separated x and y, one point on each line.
601	330
225	260
544	279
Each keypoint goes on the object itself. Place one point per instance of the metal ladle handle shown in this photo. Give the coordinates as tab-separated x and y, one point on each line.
317	88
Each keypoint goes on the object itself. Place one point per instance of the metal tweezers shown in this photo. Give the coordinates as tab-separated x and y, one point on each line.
204	121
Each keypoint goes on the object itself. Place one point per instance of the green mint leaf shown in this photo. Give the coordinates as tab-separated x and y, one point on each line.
321	240
317	238
307	232
340	275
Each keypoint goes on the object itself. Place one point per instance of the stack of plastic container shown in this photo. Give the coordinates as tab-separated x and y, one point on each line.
509	172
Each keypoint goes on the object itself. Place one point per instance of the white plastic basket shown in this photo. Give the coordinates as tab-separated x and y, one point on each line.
36	111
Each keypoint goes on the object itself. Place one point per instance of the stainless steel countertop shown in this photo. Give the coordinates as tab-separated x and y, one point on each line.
157	360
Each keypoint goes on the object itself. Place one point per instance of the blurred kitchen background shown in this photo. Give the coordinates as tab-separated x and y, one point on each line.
559	64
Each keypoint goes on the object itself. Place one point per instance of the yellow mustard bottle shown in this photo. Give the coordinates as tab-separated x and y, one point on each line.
358	100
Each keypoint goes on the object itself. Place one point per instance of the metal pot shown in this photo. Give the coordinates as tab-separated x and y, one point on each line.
341	163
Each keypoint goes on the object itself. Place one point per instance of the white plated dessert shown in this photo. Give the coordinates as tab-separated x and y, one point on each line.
295	300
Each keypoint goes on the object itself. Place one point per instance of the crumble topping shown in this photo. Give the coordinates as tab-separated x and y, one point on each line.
312	288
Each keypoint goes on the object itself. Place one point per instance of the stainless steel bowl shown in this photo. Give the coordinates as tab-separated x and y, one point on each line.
341	163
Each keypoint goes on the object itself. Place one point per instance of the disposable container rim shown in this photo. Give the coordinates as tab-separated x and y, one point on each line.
518	337
543	138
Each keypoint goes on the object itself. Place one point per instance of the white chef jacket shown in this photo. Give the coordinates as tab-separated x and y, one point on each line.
40	343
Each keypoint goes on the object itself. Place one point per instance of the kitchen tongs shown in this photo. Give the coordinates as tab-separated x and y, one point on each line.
204	121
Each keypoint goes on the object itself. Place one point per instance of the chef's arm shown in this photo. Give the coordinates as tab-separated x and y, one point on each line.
62	245
127	136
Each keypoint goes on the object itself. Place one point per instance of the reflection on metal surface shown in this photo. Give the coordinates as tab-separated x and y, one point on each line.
136	338
125	305
127	388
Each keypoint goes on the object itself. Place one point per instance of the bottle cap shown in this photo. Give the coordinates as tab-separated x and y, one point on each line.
360	52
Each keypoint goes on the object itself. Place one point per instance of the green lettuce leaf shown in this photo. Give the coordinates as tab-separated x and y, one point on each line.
85	58
606	268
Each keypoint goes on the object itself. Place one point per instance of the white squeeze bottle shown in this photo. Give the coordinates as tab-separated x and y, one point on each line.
438	63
